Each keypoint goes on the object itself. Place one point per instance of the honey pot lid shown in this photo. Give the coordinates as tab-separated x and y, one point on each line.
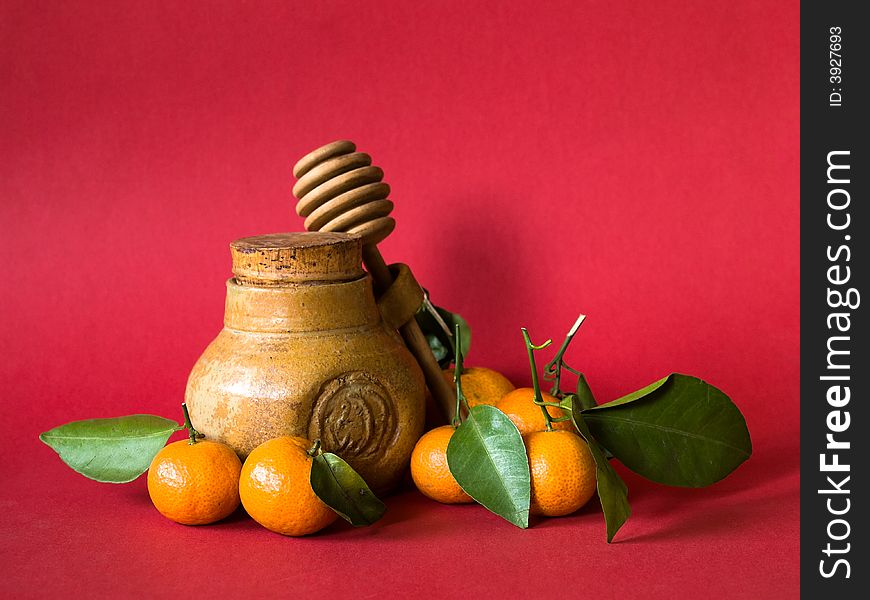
298	257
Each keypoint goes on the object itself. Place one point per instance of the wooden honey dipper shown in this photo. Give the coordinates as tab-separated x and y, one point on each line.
339	190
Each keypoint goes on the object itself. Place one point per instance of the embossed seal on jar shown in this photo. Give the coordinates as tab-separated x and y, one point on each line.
355	416
305	350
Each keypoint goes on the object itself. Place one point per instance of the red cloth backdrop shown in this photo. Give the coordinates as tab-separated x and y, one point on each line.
633	161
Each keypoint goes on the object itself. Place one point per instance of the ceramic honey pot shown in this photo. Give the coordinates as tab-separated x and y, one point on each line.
307	350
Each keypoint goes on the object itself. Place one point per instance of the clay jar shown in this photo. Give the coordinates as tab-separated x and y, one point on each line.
305	351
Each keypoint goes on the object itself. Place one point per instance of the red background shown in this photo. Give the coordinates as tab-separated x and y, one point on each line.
634	161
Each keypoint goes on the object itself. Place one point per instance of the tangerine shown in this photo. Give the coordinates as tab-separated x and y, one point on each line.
562	472
195	483
481	385
430	471
519	405
275	488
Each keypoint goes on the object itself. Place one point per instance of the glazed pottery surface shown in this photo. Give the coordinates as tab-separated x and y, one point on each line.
305	351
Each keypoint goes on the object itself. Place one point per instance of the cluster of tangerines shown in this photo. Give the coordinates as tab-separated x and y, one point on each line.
561	466
197	481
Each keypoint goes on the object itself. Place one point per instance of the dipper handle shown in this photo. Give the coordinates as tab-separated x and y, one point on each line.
339	190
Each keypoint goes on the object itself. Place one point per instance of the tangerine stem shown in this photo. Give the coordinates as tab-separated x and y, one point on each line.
457	377
315	450
553	404
192	433
553	369
539	399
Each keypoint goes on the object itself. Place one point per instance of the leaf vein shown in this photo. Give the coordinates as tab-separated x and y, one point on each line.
639	424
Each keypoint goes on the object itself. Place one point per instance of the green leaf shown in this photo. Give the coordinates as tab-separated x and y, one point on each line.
344	491
677	431
466	330
487	457
585	398
612	491
439	350
114	450
572	403
440	341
